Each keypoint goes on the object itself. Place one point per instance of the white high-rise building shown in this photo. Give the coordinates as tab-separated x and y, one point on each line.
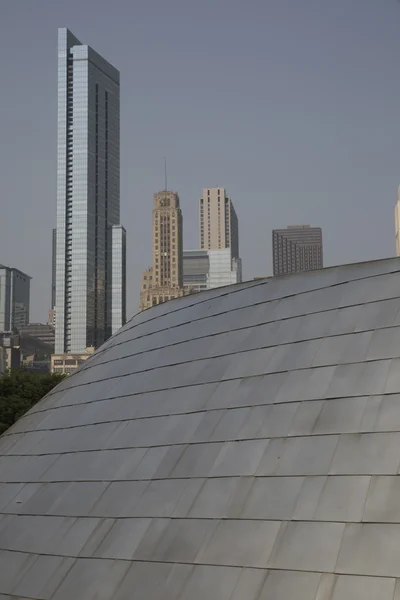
88	197
207	269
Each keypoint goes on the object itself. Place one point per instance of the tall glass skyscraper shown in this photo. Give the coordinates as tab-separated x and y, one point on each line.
14	299
88	195
53	269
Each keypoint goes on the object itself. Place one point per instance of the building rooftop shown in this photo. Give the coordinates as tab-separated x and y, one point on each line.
14	269
238	444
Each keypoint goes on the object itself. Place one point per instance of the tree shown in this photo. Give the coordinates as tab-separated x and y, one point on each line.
20	390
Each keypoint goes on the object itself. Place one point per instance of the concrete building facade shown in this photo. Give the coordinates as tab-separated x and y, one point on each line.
164	280
297	248
67	363
219	226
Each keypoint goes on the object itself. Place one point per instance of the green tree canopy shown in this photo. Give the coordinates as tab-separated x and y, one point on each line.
20	390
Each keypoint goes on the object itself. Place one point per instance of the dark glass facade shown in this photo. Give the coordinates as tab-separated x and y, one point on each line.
14	299
296	249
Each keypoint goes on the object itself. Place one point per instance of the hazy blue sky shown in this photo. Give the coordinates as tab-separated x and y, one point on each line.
292	105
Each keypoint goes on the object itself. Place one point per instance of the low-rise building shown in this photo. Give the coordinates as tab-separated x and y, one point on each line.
151	295
10	352
11	358
39	331
68	363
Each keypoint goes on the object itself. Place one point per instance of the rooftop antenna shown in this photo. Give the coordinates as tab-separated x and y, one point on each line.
165	172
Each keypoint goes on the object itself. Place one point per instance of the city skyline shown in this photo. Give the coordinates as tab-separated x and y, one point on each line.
88	199
292	146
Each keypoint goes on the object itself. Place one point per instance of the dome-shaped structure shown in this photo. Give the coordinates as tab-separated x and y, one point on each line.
239	444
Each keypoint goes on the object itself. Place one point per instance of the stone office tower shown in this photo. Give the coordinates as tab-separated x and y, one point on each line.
164	280
88	197
218	222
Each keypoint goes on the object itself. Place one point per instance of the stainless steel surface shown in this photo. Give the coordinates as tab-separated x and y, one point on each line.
239	444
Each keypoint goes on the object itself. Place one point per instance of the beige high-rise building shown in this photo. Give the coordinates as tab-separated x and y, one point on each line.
164	280
397	222
218	222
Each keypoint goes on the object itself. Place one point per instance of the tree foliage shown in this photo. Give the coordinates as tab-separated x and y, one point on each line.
20	390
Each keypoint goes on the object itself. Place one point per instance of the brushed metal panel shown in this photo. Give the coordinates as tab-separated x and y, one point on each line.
308	547
367	453
273	498
254	548
363	588
285	585
211	582
342	499
92	579
370	549
383	501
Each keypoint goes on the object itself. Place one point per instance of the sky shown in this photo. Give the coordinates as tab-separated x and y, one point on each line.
292	105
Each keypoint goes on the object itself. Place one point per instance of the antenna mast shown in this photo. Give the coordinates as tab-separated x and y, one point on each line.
165	172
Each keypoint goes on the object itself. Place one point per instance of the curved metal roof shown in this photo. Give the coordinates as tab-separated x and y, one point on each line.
239	444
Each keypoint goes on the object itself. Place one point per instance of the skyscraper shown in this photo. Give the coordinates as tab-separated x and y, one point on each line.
53	269
207	269
14	299
118	302
218	222
88	195
397	222
164	280
297	248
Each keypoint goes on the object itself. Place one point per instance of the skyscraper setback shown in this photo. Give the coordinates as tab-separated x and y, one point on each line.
218	222
164	279
88	196
297	248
